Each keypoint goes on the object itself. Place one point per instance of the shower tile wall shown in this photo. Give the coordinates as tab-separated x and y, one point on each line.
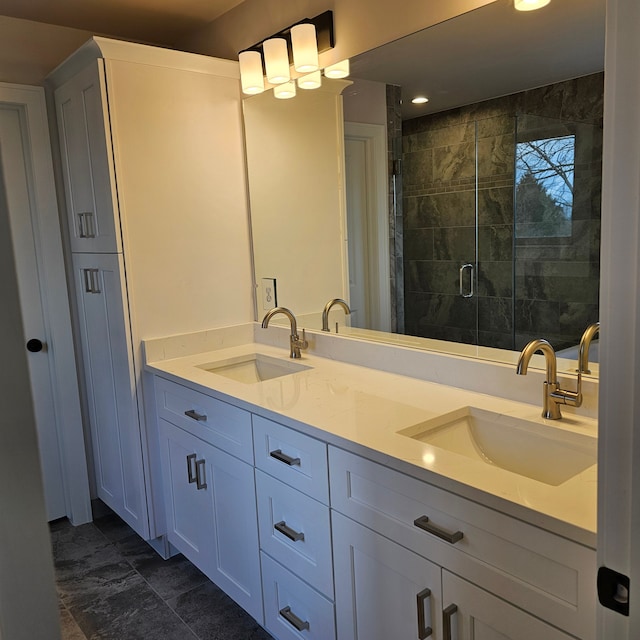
439	202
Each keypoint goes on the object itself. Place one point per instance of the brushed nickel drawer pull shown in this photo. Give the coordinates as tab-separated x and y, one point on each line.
283	457
194	415
423	523
423	630
447	614
290	533
293	619
201	480
190	458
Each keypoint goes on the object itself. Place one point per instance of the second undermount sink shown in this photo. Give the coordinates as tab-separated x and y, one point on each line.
253	367
532	449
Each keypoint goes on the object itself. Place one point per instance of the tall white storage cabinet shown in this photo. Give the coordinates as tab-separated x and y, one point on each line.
151	149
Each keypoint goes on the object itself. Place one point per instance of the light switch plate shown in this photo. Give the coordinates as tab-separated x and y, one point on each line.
268	293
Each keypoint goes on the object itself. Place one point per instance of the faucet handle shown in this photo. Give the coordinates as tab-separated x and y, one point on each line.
302	344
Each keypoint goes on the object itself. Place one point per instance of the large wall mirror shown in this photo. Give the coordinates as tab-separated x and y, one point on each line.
469	223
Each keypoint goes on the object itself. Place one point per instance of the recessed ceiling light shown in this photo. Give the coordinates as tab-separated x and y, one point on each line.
530	5
420	100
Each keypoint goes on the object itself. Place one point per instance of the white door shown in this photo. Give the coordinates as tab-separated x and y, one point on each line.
28	195
367	226
15	195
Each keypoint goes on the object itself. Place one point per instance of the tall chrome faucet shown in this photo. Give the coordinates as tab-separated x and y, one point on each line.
585	342
327	308
553	395
295	343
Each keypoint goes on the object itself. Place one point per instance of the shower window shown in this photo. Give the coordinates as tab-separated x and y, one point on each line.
545	169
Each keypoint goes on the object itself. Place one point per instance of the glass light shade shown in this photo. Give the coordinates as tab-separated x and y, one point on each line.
276	60
305	48
251	76
530	5
311	80
337	70
285	90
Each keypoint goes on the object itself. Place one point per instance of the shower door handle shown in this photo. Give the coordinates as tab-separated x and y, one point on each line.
463	268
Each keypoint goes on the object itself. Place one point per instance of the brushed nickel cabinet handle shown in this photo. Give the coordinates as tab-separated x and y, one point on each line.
201	480
423	630
91	280
194	415
447	614
85	225
190	459
423	523
293	619
283	457
290	533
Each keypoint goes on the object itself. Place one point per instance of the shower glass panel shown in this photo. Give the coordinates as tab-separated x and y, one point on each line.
502	231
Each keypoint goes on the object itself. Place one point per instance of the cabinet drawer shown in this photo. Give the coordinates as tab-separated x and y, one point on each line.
216	422
545	574
295	530
292	609
295	458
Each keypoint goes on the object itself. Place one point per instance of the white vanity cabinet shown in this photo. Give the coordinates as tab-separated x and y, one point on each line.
209	494
151	153
505	578
292	489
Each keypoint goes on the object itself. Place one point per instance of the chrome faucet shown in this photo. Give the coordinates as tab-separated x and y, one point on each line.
585	342
295	343
327	308
553	395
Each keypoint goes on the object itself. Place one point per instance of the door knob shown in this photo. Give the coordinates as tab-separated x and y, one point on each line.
34	345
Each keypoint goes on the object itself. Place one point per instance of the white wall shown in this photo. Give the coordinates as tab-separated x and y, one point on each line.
28	603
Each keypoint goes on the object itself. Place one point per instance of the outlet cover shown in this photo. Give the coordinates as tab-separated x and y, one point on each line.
268	293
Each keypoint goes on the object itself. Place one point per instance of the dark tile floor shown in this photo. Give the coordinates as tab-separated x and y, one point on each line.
113	586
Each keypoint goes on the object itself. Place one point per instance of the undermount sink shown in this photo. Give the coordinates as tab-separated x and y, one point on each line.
538	451
253	367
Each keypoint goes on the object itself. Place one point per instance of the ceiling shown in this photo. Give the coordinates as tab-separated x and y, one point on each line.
489	52
153	21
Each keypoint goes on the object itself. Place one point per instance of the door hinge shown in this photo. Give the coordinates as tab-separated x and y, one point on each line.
613	590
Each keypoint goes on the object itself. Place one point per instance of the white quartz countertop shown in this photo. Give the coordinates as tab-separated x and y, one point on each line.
362	409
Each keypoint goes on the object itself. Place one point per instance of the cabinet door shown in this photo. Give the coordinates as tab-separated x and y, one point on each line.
87	163
383	590
474	614
211	513
110	386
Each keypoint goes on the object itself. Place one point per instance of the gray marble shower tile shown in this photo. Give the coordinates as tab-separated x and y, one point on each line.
495	242
418	169
583	98
498	125
495	205
495	315
575	317
538	317
418	244
134	613
168	578
455	243
454	162
421	276
454	209
495	279
496	156
212	615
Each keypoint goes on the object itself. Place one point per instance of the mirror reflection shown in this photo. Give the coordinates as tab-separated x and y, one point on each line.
469	223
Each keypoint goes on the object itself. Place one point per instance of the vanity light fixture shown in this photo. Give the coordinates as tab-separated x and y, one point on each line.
338	70
305	47
311	80
285	91
276	60
251	72
530	5
299	45
420	100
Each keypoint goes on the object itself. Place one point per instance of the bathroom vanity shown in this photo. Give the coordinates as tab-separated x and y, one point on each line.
333	500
